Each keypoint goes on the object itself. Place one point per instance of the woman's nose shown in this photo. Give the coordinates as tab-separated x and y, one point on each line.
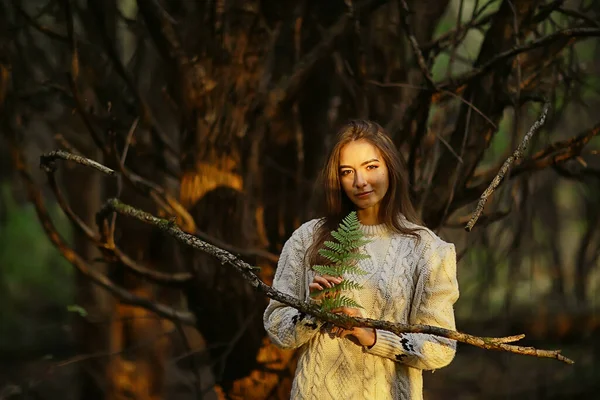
359	180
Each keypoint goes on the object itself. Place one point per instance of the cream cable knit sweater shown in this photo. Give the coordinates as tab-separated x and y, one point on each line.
406	282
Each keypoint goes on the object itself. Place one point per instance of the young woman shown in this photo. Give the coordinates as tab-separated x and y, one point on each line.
411	278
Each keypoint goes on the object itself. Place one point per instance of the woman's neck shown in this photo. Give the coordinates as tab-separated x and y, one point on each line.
368	216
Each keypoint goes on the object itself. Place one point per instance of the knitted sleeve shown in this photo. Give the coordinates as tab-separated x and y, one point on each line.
287	327
435	295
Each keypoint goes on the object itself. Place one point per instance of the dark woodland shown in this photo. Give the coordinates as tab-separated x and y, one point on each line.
156	154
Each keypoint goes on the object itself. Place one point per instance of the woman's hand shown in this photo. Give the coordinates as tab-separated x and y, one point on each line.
358	335
322	282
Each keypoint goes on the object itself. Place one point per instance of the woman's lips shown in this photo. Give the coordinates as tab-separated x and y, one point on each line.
363	195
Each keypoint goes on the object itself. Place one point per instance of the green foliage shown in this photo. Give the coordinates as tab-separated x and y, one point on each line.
35	277
331	303
343	255
75	308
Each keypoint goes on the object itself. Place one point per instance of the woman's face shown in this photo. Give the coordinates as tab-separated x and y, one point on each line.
363	174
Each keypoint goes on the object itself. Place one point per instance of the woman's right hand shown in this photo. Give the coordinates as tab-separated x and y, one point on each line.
322	282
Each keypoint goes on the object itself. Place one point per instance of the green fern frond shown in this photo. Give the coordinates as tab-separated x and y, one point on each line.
333	246
338	270
357	256
351	269
348	285
344	285
333	256
331	303
343	252
339	237
327	270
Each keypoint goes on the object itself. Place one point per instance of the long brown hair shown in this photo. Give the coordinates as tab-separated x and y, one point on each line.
335	203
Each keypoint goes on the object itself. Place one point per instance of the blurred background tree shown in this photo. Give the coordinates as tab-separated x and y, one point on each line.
219	114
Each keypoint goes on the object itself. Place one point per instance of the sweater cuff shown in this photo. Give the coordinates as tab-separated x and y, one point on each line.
390	345
306	321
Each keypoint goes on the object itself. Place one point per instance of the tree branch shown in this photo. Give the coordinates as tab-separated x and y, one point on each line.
288	86
247	271
554	155
107	247
414	44
82	266
47	162
502	57
518	153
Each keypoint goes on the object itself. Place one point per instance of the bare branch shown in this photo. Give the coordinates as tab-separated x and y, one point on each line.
287	88
484	220
47	162
43	29
247	271
82	266
515	156
506	55
108	247
554	155
449	37
414	44
577	14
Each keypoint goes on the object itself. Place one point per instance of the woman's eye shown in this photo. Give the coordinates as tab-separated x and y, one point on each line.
372	166
345	172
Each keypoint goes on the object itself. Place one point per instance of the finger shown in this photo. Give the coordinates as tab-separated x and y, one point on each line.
333	279
346	333
322	281
340	310
314	287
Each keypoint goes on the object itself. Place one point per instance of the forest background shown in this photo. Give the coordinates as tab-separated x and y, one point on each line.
217	115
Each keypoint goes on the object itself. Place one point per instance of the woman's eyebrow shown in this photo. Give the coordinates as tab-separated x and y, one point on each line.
364	163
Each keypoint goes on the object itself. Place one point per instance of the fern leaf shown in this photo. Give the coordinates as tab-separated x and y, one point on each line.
343	253
348	284
339	237
332	256
329	304
328	270
335	246
350	269
357	256
344	285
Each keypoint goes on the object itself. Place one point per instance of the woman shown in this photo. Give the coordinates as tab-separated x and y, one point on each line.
411	278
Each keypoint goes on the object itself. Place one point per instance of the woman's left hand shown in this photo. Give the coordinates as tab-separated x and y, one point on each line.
364	336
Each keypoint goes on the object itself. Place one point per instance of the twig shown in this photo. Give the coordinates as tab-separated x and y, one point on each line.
577	14
459	166
31	21
505	55
552	156
108	248
445	39
84	116
414	44
485	219
247	271
288	87
82	266
144	109
47	161
456	96
515	156
113	222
